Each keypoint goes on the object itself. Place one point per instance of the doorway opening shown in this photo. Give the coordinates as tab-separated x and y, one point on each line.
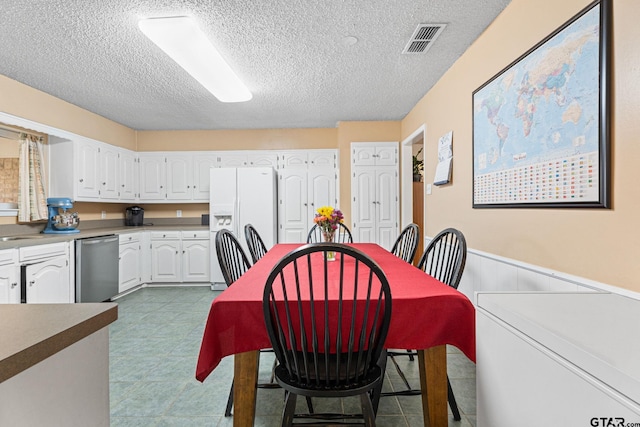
413	191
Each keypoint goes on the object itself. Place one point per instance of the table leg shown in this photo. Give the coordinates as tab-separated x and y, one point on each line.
433	382
245	371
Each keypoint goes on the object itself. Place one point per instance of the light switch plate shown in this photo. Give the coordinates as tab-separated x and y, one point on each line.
428	188
103	215
179	213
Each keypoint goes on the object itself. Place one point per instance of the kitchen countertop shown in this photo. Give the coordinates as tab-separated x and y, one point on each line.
42	239
30	333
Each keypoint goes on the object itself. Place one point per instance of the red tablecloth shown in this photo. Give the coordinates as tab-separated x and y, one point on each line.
425	313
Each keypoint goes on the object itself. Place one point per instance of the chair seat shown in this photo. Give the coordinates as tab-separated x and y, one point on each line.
323	389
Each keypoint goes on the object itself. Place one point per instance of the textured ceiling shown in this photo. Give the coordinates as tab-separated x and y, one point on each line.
292	54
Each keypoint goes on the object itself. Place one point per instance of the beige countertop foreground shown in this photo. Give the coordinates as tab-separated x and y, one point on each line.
30	333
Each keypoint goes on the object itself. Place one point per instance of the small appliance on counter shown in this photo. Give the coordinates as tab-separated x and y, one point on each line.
59	220
134	216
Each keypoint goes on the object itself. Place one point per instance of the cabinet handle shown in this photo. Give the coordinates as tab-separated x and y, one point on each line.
31	283
305	204
104	183
161	186
13	285
182	251
81	180
177	252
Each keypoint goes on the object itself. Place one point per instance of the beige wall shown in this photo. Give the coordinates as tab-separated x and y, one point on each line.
601	245
29	103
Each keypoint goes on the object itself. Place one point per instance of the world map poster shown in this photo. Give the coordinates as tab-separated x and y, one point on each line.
537	127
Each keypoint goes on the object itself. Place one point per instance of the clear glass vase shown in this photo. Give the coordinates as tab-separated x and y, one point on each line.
328	237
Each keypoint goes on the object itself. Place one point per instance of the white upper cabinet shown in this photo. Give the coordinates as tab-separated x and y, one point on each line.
87	165
179	176
88	170
202	164
232	159
109	160
374	154
152	176
128	176
259	159
306	159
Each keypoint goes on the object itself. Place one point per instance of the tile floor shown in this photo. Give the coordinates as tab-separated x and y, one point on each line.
154	345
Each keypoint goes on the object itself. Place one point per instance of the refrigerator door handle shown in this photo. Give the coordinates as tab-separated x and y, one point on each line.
236	218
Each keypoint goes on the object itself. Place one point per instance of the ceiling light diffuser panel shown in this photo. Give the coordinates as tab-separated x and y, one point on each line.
181	39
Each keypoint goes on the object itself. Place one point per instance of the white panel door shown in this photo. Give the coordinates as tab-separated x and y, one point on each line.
262	159
195	261
179	177
9	284
363	155
293	209
129	266
109	172
322	159
363	211
386	207
295	160
152	176
88	167
128	174
48	282
202	165
232	159
321	190
386	155
165	261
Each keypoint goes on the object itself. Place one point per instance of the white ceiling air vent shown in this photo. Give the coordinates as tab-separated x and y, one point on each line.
423	37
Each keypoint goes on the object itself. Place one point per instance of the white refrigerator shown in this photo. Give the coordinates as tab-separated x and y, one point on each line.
241	196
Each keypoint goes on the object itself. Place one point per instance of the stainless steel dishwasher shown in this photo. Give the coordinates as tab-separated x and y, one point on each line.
96	268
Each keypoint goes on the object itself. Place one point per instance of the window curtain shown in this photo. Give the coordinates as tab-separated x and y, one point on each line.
32	203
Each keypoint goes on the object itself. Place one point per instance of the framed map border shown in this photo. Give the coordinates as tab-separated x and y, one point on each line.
603	155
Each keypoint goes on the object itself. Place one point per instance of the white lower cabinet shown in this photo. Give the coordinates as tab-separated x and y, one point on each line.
9	277
47	281
180	257
130	262
195	256
46	274
166	262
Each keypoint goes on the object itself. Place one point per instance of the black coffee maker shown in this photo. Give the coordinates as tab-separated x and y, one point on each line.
134	216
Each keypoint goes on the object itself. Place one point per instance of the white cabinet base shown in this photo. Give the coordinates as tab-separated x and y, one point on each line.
70	388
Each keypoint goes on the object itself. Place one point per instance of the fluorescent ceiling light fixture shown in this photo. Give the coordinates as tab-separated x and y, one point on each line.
181	39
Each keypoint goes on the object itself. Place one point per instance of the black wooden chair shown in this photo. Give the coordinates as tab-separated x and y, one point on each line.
327	341
234	263
341	235
256	246
444	259
406	244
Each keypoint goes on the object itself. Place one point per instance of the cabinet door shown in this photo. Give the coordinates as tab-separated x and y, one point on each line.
195	261
179	177
88	167
293	208
322	159
165	261
109	172
9	286
232	159
386	207
321	189
152	176
295	160
128	175
262	159
363	155
202	165
363	207
386	155
48	282
129	266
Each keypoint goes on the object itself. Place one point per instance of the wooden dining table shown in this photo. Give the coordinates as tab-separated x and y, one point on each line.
426	315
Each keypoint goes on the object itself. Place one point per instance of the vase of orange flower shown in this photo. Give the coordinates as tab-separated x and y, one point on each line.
328	219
